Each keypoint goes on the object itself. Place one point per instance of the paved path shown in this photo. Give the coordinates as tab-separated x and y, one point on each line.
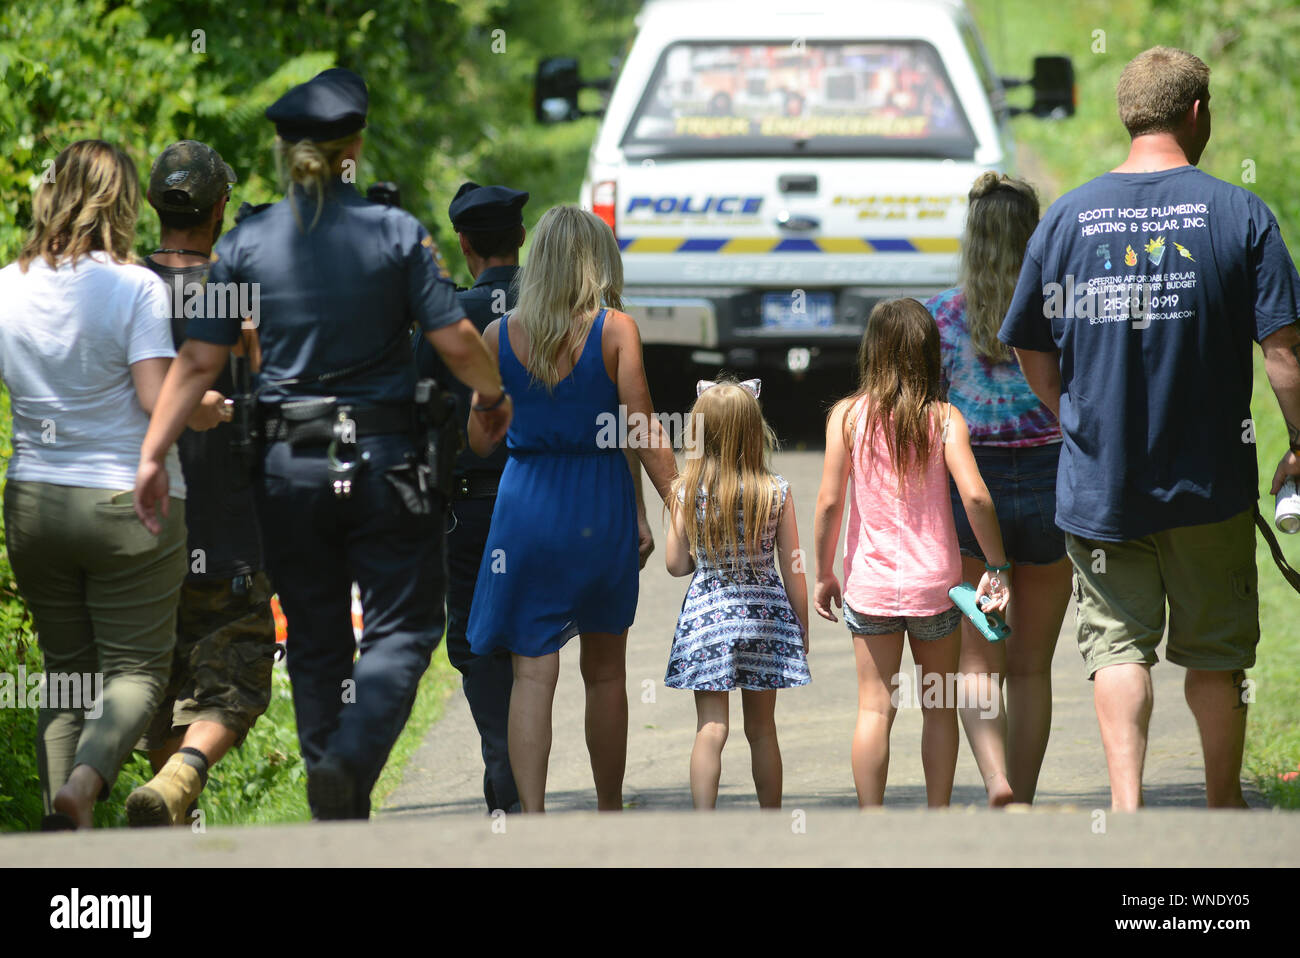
832	837
815	725
436	816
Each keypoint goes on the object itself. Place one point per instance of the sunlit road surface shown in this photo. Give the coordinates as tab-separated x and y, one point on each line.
437	816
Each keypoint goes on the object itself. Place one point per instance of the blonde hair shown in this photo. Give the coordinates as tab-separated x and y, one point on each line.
1158	87
574	267
1002	216
731	480
310	166
91	203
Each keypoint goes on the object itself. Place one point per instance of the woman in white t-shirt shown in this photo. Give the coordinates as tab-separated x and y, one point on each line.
85	341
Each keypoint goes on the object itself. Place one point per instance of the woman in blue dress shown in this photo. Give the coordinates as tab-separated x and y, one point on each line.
562	555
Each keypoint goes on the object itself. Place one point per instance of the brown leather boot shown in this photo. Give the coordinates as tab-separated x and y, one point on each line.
163	800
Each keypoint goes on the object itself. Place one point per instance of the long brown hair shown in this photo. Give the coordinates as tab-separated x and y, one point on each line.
1002	216
898	375
731	475
90	203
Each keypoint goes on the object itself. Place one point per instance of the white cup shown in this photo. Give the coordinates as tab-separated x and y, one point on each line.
1287	516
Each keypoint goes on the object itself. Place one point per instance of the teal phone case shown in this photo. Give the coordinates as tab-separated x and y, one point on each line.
990	624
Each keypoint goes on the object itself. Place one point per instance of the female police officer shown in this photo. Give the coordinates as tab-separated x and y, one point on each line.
335	282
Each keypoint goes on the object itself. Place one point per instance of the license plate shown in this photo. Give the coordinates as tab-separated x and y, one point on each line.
798	310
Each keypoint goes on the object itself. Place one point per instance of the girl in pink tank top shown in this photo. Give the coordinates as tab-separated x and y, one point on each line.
901	555
892	445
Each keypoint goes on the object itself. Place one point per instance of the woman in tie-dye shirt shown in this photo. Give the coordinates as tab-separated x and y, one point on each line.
1016	441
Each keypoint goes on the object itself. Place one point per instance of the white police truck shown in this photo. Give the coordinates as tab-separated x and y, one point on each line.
773	168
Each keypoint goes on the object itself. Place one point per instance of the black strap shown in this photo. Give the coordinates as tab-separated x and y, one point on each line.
1288	573
403	335
182	252
476	485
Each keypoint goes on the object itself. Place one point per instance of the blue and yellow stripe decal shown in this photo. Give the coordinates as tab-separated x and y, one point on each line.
788	244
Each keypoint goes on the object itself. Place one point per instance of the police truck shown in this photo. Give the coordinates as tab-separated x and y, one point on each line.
773	168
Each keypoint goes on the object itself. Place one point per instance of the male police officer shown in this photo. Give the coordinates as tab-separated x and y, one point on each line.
225	635
343	494
489	223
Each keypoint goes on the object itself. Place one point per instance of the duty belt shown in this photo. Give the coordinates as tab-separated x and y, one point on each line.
303	421
338	425
476	485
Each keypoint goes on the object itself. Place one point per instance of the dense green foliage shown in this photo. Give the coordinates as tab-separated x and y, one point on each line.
1251	46
451	99
450	90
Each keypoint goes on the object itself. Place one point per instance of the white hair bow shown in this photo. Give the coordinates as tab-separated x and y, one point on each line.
751	386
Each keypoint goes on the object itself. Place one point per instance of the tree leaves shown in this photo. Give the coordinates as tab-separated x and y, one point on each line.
450	90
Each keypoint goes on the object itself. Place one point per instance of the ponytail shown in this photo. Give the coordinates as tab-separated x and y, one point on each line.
309	165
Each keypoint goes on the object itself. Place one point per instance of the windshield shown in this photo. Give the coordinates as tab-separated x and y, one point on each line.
887	98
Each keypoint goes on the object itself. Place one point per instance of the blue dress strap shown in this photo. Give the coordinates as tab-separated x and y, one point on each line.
503	341
592	347
507	362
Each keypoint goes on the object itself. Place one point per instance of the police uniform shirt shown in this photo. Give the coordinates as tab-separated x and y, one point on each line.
490	298
333	296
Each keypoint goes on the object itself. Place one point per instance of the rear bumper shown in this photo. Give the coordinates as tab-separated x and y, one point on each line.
722	326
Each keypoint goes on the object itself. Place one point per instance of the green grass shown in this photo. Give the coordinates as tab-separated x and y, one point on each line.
262	782
1237	41
435	688
1273	735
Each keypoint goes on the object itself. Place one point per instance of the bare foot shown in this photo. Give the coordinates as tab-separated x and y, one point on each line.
999	790
76	799
68	802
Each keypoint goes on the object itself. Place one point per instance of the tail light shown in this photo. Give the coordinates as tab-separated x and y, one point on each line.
604	198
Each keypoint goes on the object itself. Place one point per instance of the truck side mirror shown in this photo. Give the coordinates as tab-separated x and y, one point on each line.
555	90
1053	85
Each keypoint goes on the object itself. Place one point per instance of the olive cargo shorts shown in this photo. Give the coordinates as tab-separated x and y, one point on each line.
1207	575
102	591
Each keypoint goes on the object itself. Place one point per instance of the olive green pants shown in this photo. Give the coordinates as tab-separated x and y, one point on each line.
102	592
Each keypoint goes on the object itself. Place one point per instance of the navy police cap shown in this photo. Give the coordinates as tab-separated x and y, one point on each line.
480	208
327	107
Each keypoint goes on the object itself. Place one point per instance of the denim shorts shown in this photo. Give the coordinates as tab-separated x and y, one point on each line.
924	628
1022	483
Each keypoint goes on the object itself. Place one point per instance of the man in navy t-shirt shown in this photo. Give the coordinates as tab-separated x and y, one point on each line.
1141	294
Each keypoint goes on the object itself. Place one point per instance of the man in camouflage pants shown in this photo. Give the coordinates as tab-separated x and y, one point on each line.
225	634
220	684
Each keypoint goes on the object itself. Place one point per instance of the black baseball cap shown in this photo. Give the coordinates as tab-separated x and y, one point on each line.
188	177
330	105
482	208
